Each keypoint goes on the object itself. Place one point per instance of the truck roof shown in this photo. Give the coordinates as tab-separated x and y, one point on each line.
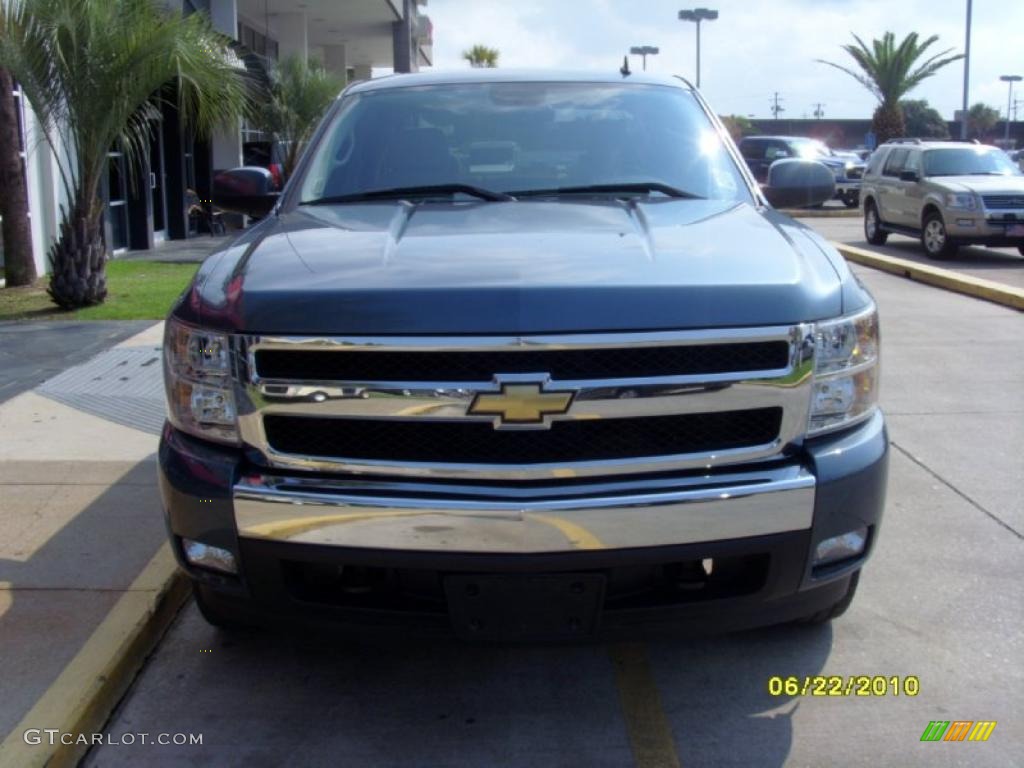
497	75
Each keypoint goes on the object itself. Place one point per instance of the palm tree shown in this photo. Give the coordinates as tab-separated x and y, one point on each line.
95	72
481	56
888	71
19	266
300	93
981	118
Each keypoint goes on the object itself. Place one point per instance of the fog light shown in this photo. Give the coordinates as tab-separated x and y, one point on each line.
841	547
205	556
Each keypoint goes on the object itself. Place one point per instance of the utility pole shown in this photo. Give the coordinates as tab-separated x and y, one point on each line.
776	107
967	71
819	111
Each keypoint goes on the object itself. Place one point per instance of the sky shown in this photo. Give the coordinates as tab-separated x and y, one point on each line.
754	48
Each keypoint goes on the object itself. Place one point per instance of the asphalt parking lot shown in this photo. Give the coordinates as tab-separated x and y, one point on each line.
940	601
1004	265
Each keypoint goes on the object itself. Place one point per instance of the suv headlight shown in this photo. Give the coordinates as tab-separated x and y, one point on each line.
197	377
845	371
963	200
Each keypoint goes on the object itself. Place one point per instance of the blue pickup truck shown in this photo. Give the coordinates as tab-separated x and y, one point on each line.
524	356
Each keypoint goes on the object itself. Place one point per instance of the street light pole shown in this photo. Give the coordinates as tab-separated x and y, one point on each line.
697	15
967	71
1011	79
644	51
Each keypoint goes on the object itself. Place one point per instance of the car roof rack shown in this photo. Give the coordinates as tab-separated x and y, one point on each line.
904	141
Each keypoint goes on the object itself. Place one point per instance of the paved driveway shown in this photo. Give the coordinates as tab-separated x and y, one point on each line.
940	601
1004	265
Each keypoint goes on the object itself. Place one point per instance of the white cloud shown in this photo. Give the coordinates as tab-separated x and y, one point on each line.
756	47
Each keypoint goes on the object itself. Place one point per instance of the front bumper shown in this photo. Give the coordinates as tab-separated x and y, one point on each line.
758	524
985	228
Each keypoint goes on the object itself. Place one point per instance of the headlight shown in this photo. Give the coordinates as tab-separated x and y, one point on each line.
197	376
962	200
845	371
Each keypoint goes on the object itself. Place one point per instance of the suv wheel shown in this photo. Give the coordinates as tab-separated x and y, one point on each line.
937	244
873	231
837	609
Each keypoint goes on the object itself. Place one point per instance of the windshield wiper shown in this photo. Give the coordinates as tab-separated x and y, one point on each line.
637	188
402	193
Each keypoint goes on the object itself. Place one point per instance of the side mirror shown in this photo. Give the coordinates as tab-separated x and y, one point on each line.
909	176
799	184
250	190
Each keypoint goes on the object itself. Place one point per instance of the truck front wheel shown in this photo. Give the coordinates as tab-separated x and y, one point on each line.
217	611
838	608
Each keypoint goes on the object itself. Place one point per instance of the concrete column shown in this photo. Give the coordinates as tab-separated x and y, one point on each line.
292	35
361	72
335	59
224	16
226	144
402	46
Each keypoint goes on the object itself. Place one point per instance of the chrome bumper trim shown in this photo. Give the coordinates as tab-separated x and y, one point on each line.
696	510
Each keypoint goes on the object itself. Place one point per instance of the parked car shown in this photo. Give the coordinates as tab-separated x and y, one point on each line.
946	193
524	356
265	154
761	151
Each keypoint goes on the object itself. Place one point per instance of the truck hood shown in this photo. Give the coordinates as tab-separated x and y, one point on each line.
516	268
983	185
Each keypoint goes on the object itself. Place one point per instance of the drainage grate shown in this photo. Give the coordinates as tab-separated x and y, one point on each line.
123	385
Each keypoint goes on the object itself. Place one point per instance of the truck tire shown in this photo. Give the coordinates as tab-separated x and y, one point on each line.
873	231
838	608
851	199
936	243
217	612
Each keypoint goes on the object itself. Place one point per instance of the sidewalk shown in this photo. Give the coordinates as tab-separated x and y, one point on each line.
191	251
79	512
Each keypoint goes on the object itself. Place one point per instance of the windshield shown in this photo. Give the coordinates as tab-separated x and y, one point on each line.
968	161
507	137
811	149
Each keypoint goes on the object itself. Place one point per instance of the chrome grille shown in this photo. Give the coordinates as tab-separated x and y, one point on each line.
1003	202
641	402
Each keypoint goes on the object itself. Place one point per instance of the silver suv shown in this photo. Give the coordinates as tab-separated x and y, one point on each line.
947	193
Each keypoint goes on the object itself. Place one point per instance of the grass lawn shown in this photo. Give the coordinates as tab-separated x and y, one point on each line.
136	290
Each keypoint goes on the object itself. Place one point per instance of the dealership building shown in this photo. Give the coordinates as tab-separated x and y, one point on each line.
351	38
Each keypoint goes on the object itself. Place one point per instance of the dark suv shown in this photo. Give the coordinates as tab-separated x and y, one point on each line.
524	356
761	151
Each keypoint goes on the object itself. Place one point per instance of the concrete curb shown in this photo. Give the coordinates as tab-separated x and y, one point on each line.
979	288
81	699
823	213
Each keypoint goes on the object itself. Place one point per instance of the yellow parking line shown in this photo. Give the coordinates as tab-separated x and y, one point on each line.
979	288
650	735
85	693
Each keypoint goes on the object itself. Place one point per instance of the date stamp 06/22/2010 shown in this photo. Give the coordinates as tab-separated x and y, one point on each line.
844	685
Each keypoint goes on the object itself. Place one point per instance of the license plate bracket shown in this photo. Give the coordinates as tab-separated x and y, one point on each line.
524	607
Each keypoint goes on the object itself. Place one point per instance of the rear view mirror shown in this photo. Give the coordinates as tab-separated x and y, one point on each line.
799	184
250	190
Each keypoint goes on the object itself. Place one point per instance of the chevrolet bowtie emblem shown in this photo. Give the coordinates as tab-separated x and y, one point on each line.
520	404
